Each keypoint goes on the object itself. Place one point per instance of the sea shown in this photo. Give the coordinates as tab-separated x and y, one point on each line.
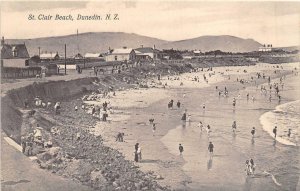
277	160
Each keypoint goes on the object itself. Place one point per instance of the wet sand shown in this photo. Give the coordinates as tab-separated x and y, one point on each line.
226	170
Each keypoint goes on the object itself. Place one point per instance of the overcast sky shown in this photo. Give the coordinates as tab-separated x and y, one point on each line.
267	22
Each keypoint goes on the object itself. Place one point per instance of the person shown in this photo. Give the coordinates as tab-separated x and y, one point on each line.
252	166
153	129
203	106
136	146
211	148
234	102
247	96
93	110
247	167
57	107
253	131
151	121
184	116
289	133
180	149
275	131
188	118
120	137
23	144
208	129
200	125
136	156
139	152
234	126
76	108
178	104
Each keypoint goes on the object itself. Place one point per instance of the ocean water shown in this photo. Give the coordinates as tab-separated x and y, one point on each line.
277	160
285	117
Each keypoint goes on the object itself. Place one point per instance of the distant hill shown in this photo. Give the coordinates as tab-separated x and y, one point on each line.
101	41
88	42
224	43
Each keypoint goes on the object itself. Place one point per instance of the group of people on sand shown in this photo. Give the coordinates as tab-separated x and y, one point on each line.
250	167
171	103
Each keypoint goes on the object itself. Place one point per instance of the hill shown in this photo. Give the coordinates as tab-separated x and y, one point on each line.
101	41
224	43
88	42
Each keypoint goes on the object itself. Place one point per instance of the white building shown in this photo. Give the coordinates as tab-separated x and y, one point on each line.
266	48
122	54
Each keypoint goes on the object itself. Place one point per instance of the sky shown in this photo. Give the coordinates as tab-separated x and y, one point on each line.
276	23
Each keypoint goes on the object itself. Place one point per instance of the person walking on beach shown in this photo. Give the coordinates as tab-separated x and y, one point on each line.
183	118
253	132
139	152
208	129
275	132
200	125
252	166
234	126
178	104
153	129
203	106
289	133
180	149
211	149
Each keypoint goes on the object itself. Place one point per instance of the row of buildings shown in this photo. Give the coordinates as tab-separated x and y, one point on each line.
119	54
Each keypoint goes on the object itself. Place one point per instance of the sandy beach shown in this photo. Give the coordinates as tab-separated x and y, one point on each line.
194	170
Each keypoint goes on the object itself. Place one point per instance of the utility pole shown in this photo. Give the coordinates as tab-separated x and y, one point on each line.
65	59
40	52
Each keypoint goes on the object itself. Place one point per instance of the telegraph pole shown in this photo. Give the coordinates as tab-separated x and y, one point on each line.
65	59
39	51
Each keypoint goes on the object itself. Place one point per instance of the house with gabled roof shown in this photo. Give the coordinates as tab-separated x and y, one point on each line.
13	55
120	54
147	53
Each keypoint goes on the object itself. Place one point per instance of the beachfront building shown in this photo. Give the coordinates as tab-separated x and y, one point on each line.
13	55
266	48
121	54
49	56
145	53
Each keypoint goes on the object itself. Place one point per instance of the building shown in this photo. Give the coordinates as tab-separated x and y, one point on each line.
49	56
196	52
78	56
266	48
147	53
121	54
13	55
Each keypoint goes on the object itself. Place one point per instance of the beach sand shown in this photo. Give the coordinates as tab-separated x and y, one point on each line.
194	170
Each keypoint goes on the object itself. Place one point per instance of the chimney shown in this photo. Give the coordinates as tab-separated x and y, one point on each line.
2	41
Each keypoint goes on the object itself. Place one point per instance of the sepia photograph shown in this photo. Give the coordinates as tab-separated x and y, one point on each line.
133	95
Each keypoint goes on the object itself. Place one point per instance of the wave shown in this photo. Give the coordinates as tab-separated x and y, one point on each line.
285	117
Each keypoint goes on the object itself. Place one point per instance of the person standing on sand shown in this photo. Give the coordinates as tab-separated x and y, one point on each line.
153	129
183	118
180	149
200	125
275	132
178	104
211	149
234	126
208	129
289	133
253	132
